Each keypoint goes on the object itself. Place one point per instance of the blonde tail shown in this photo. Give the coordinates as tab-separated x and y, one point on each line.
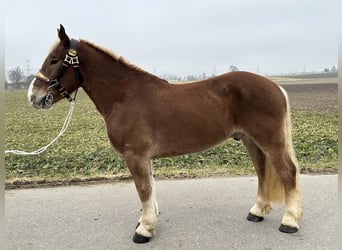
273	186
274	190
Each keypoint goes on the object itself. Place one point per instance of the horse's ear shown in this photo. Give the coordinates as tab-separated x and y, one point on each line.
63	36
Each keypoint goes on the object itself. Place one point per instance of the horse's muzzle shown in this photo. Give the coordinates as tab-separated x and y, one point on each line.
41	103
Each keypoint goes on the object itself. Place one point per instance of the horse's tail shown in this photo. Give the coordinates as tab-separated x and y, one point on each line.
274	190
273	185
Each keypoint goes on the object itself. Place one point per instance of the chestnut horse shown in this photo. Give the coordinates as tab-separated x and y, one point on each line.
146	117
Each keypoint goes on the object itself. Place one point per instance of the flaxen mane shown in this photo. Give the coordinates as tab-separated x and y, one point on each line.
120	59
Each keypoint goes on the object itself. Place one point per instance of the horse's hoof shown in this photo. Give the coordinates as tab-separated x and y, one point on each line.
288	229
254	218
140	239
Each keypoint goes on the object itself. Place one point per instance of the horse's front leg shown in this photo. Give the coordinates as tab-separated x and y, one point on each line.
140	169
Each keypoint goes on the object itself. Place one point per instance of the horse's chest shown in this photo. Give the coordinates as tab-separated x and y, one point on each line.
129	136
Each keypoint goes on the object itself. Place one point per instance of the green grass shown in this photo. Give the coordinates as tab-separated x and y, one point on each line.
84	151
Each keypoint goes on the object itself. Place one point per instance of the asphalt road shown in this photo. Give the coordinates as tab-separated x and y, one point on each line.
195	214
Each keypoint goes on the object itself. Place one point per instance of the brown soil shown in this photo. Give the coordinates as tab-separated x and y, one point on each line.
319	97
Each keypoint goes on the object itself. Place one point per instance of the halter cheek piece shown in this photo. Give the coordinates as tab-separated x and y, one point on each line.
71	58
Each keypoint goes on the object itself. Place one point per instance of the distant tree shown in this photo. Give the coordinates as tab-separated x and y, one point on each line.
191	78
16	75
29	80
333	69
233	68
326	70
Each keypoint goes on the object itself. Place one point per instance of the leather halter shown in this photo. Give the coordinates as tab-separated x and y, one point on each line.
71	58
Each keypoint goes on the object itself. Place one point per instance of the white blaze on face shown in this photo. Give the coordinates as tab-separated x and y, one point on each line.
30	91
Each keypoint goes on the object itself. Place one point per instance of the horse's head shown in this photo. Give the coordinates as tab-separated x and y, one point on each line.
56	79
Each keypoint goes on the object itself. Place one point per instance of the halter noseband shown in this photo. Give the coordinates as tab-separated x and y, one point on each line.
71	58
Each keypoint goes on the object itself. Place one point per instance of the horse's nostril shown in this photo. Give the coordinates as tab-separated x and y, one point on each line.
32	98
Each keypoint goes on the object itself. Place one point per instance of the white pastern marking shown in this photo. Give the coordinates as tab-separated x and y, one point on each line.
148	218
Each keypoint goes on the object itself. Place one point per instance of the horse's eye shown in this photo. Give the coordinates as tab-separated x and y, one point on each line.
54	61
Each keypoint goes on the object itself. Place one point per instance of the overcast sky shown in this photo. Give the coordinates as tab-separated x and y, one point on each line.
182	36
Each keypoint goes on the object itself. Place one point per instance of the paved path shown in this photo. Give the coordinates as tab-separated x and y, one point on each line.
195	214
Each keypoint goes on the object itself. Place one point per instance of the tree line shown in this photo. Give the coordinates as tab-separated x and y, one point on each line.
203	76
18	79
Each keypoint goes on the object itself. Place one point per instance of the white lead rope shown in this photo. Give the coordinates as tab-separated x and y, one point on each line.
61	132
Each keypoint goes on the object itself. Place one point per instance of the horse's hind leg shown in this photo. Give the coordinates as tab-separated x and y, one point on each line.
285	164
140	169
282	176
263	205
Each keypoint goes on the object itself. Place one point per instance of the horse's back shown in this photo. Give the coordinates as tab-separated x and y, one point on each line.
240	91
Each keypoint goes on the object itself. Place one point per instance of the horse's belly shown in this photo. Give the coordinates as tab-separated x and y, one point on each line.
188	139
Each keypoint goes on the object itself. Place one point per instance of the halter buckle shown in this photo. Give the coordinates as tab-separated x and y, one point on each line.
72	52
71	60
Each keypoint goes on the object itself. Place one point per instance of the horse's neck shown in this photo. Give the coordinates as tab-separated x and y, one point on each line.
107	79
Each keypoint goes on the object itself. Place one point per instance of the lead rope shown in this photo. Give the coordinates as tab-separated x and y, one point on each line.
61	132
